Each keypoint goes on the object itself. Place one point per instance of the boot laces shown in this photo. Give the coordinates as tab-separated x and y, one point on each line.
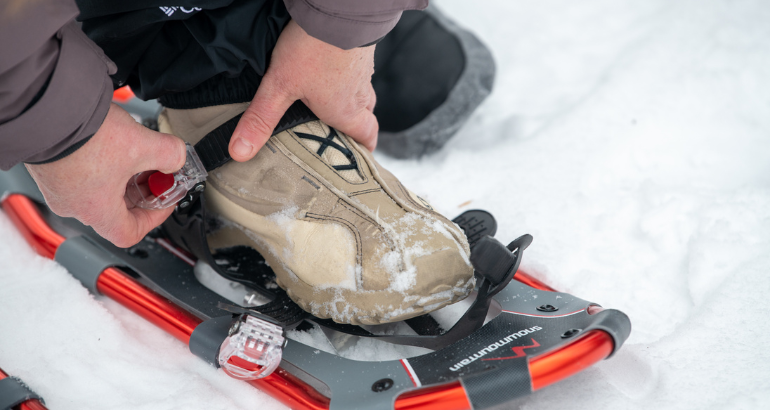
340	157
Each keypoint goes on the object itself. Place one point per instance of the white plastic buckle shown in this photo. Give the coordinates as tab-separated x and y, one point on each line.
142	189
253	349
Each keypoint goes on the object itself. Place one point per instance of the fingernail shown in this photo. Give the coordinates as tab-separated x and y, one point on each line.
242	147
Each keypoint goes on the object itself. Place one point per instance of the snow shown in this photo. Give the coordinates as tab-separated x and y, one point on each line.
630	138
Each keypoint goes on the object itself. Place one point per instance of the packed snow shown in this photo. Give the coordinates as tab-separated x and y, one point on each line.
631	138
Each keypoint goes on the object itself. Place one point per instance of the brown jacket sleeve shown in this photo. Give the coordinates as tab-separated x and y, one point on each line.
55	88
349	23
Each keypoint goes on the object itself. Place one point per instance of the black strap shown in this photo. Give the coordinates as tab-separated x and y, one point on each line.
14	392
189	230
213	148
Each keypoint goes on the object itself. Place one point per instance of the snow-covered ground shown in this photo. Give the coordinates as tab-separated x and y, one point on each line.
631	138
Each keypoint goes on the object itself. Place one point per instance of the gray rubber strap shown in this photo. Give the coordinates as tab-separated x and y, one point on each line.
14	392
208	336
85	260
494	387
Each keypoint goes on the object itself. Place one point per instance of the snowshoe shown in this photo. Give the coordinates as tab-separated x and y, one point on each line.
513	336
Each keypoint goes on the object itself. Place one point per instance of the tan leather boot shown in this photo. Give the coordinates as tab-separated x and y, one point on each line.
346	240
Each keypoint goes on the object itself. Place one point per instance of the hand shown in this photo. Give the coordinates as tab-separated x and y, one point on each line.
90	183
335	84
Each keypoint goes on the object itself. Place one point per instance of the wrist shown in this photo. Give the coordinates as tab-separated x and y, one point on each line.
67	151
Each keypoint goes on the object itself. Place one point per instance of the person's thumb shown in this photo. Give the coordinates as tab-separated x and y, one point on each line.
163	152
259	120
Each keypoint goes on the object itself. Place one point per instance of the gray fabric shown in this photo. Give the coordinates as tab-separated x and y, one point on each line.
473	86
349	23
40	40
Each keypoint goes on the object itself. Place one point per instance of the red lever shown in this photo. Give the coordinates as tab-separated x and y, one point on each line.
160	183
123	95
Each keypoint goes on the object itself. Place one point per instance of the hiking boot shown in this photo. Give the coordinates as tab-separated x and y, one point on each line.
345	238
